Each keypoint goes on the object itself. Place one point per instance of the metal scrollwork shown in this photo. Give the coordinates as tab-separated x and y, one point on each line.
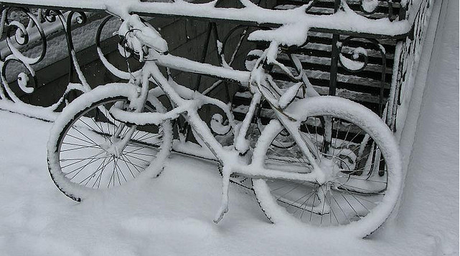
370	7
67	22
25	46
26	79
21	34
26	36
356	59
18	36
406	56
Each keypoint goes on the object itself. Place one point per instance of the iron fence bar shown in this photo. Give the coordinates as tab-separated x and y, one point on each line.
94	6
270	17
382	85
204	52
334	57
334	65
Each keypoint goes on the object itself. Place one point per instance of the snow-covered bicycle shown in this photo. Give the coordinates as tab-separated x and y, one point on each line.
323	161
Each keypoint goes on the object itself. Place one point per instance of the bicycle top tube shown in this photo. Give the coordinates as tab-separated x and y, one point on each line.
184	64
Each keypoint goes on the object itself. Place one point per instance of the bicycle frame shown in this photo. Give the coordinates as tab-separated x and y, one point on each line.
322	171
186	103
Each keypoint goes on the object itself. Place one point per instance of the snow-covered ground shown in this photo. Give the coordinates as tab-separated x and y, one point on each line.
172	215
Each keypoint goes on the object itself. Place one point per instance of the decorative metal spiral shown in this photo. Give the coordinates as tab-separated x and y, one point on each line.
20	35
357	60
27	44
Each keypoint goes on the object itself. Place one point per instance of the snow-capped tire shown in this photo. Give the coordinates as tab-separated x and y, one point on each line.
81	140
282	204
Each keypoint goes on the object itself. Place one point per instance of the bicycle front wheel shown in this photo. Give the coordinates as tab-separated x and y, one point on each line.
87	151
355	150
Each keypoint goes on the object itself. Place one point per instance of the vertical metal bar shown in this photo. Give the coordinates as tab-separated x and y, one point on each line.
382	85
334	58
70	48
390	11
216	38
204	53
220	58
334	65
186	127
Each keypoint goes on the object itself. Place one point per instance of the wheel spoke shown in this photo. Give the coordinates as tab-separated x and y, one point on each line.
86	156
347	195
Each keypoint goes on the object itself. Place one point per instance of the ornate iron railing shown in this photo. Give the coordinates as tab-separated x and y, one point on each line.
36	35
26	48
407	55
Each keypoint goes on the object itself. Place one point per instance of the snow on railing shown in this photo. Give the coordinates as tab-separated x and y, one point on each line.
26	24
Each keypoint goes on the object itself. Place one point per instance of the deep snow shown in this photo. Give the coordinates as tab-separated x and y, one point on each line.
432	181
172	215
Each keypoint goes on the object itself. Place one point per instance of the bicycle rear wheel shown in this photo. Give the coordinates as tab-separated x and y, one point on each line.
358	153
86	152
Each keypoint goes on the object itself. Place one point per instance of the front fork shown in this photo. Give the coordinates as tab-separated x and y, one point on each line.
138	105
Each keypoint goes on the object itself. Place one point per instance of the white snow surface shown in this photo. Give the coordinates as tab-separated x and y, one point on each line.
432	187
172	215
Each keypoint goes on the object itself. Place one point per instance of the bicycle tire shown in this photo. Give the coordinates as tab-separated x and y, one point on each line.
81	149
350	192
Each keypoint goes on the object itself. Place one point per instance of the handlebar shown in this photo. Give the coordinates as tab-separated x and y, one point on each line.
141	37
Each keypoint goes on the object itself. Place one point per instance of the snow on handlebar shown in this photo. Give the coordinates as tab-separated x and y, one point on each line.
140	37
